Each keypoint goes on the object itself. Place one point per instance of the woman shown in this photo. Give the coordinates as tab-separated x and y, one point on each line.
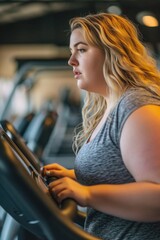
117	166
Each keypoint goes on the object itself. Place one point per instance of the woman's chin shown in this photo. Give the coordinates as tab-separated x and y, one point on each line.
80	85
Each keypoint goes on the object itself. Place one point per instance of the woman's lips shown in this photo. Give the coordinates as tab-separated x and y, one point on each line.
76	74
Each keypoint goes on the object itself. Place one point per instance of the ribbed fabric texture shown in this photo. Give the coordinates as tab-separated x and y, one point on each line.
100	161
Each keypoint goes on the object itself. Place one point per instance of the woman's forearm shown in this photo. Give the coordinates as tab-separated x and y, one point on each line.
139	201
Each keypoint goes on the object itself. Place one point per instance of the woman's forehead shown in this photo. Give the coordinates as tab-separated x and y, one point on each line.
77	36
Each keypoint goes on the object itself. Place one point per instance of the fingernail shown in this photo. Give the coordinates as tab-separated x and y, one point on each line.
47	173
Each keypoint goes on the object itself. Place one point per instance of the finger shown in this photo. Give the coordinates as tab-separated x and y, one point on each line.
47	171
65	193
58	190
55	192
43	171
55	183
57	186
55	166
54	173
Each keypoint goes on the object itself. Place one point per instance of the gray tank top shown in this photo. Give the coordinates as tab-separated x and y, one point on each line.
99	161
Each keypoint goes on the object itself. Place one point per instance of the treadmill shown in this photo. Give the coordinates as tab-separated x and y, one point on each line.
25	196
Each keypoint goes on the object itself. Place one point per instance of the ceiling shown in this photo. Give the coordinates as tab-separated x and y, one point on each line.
46	22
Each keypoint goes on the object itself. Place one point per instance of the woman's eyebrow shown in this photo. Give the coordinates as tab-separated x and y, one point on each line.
76	44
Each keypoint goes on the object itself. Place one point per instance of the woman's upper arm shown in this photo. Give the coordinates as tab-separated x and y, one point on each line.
140	143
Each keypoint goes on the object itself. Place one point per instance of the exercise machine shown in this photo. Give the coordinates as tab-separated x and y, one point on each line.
26	198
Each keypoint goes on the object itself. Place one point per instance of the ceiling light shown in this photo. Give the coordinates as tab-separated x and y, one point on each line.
150	21
147	19
114	9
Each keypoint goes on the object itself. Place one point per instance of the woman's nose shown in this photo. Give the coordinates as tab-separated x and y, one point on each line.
72	61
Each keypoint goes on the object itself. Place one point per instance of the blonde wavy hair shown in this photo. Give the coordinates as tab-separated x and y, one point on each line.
127	64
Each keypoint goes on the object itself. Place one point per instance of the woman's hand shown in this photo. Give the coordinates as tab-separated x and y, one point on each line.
68	188
56	170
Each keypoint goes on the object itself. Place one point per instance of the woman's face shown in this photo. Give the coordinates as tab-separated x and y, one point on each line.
87	62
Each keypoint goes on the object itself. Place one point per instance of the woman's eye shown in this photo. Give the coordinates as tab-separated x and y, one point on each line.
81	50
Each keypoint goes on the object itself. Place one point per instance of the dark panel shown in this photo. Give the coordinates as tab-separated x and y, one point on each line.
53	27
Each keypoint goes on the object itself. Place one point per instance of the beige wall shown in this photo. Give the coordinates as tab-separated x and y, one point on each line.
8	53
48	84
